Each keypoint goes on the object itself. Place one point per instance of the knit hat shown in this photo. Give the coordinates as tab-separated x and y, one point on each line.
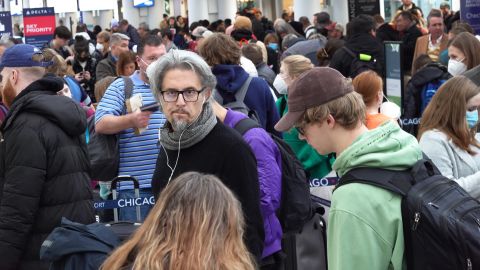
242	22
313	88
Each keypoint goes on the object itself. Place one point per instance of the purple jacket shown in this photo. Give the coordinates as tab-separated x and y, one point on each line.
269	164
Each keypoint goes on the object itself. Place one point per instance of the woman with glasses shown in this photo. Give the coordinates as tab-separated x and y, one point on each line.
448	132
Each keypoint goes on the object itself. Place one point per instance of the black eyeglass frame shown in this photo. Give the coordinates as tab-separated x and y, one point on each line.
180	92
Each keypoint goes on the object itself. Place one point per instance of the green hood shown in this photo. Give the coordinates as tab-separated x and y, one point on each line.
386	147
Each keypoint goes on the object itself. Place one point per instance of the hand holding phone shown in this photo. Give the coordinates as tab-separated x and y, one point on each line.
152	107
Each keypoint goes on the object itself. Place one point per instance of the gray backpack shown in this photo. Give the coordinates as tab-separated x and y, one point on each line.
239	104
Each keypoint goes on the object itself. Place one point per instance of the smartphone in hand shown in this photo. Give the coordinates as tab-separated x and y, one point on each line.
153	107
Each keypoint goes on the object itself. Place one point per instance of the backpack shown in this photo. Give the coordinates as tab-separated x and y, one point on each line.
361	63
441	221
428	92
103	148
238	104
304	232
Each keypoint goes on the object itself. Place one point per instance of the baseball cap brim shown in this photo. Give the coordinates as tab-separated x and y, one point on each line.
288	121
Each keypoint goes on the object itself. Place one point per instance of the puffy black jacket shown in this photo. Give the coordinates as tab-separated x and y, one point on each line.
44	172
413	101
409	40
358	43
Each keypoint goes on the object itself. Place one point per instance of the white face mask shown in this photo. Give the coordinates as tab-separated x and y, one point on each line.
99	47
456	67
280	85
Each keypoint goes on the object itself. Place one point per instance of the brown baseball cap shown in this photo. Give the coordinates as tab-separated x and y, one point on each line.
313	88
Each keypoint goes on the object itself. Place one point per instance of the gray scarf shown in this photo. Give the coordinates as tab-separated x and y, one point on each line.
194	133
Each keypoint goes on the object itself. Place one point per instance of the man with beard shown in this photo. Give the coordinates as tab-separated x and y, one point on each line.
194	140
138	152
44	165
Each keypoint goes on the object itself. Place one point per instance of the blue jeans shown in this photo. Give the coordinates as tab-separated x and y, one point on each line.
128	213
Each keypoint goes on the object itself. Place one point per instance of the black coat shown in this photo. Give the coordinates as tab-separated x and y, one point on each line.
44	172
224	154
409	39
88	85
358	43
386	32
133	35
413	101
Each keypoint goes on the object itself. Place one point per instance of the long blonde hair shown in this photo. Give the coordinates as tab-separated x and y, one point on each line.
197	223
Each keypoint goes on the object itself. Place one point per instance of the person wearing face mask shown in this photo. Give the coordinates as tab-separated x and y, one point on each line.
193	139
107	67
316	165
84	66
463	53
102	46
448	132
271	42
138	152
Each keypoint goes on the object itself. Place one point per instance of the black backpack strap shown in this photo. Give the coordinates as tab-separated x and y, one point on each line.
398	182
350	52
245	125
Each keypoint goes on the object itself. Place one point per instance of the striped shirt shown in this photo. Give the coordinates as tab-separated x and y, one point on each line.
138	153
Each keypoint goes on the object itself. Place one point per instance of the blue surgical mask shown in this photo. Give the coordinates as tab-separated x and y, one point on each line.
273	46
472	118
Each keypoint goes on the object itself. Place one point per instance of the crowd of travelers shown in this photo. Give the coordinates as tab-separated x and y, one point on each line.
312	83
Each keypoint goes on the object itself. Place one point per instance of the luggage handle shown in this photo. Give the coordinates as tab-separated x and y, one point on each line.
136	187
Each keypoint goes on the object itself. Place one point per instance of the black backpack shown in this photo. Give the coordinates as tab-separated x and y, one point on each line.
441	221
359	65
295	204
304	230
102	148
238	104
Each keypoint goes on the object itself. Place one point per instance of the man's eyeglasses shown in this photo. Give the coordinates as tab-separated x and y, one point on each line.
300	130
189	94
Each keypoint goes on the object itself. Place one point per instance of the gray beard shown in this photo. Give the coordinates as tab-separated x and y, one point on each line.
179	125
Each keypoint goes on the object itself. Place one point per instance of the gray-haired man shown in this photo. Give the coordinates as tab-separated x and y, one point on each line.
107	67
193	140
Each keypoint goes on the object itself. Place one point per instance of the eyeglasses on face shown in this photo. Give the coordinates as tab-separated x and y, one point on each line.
189	94
300	130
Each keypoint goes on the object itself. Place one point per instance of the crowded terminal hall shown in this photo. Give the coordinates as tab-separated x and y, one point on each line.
240	135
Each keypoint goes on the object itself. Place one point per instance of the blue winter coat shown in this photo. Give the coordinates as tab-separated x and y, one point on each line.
230	79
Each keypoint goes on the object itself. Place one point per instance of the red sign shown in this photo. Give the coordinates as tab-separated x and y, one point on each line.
39	25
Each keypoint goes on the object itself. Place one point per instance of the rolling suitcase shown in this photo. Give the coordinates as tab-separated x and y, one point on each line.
124	229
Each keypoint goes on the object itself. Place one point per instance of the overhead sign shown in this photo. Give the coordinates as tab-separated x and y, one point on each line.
357	7
39	25
470	12
5	23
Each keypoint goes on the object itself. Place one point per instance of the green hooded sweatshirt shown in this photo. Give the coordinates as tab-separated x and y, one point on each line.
365	229
316	165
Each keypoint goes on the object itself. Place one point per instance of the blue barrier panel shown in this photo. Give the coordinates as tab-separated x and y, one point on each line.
120	203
